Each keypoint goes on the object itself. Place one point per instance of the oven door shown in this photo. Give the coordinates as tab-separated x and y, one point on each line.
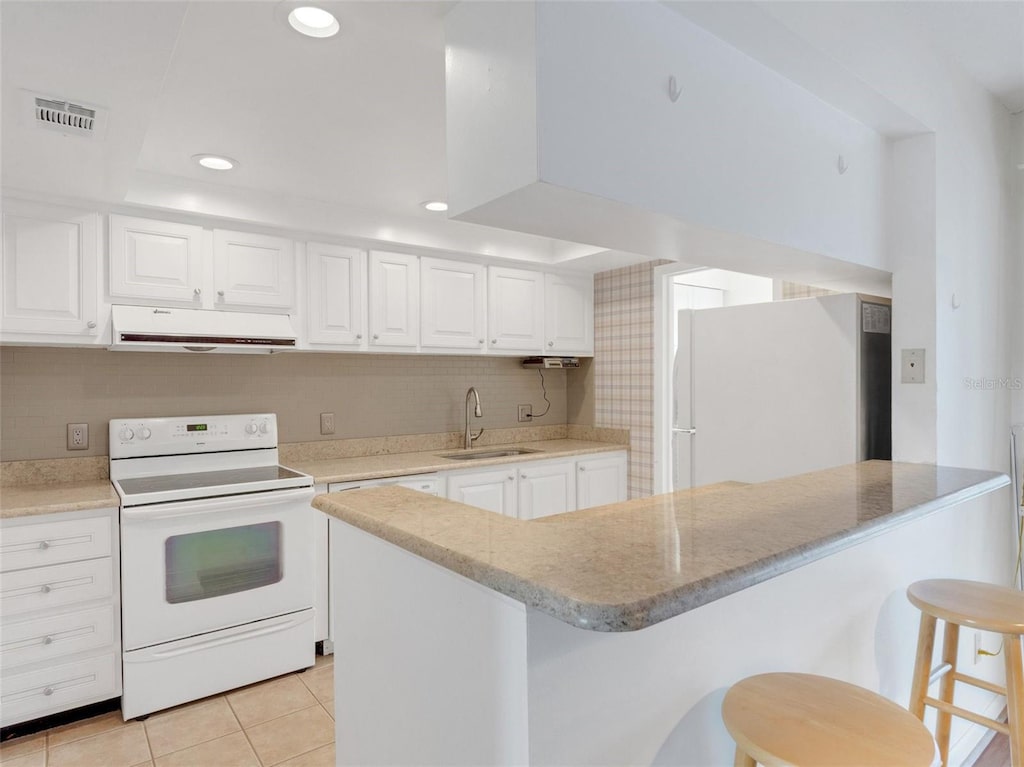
198	566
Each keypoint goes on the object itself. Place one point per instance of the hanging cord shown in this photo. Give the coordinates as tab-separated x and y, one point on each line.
544	389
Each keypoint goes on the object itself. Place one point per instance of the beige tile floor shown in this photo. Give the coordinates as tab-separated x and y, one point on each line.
287	721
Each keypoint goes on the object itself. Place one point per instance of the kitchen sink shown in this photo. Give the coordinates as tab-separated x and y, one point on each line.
479	455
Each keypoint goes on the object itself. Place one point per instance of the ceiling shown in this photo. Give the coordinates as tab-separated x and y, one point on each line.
351	127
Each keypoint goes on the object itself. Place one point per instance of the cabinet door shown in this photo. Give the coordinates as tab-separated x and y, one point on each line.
546	489
50	269
394	299
335	287
569	314
253	270
155	259
515	310
601	480
492	490
452	294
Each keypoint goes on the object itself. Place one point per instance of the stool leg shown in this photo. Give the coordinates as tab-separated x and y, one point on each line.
950	644
923	665
1015	697
743	759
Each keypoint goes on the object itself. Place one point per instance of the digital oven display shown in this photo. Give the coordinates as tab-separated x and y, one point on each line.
196	427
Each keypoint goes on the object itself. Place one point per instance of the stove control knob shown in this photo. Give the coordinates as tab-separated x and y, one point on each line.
251	428
264	428
145	433
127	434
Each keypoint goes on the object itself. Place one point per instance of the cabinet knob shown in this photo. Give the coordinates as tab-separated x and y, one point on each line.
44	545
583	468
375	336
47	640
47	691
522	476
90	324
494	340
511	477
197	292
220	294
551	343
359	336
480	340
46	588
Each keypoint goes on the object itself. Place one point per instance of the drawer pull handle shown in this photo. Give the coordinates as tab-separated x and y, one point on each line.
44	545
47	640
46	588
47	691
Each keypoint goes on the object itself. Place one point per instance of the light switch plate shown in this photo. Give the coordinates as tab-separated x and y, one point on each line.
912	366
327	423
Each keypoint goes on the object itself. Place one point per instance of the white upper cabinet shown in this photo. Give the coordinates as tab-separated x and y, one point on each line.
453	295
155	260
569	314
546	489
335	294
515	310
253	270
50	269
394	299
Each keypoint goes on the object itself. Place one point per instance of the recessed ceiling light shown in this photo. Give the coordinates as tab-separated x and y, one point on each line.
436	206
313	22
215	162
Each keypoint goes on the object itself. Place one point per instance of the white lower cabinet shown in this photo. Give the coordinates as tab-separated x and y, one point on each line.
546	489
601	479
60	631
537	488
491	489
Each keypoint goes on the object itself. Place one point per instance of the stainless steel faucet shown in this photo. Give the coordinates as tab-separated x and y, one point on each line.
472	394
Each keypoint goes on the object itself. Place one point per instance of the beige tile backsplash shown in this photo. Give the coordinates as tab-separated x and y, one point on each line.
43	389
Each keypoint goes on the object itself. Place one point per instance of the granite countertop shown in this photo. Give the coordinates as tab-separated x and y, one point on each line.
53	497
630	565
329	470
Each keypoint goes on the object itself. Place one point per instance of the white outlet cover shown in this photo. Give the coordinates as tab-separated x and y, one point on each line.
912	366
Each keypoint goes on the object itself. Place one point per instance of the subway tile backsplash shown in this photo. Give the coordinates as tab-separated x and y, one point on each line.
43	389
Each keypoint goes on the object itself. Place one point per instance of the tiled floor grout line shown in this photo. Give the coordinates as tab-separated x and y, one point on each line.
245	732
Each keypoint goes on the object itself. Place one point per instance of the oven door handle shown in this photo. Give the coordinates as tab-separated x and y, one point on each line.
217	505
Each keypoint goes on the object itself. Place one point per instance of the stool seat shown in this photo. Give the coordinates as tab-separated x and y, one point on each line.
984	606
807	721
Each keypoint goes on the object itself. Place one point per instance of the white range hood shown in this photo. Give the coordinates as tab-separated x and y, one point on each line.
148	328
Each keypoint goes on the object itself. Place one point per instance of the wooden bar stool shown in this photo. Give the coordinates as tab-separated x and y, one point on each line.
981	606
808	721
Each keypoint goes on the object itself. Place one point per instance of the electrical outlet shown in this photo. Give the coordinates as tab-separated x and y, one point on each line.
977	647
327	423
525	413
78	436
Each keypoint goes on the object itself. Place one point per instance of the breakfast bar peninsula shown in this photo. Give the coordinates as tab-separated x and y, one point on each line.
609	635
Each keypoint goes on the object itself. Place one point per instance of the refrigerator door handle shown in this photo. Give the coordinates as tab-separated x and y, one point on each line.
676	430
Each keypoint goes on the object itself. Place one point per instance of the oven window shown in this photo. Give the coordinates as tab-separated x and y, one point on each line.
218	562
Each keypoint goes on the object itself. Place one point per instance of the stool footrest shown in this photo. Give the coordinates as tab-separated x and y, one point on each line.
963	713
975	682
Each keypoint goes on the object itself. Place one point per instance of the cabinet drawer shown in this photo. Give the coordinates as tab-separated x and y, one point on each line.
54	636
48	543
27	696
41	588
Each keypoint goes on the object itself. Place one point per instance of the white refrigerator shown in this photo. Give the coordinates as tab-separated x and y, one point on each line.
770	390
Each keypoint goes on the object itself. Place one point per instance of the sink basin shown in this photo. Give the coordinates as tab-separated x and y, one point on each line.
479	455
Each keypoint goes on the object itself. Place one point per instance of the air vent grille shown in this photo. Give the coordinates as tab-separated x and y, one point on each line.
65	116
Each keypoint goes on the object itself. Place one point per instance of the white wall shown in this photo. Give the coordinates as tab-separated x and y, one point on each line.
744	154
737	289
